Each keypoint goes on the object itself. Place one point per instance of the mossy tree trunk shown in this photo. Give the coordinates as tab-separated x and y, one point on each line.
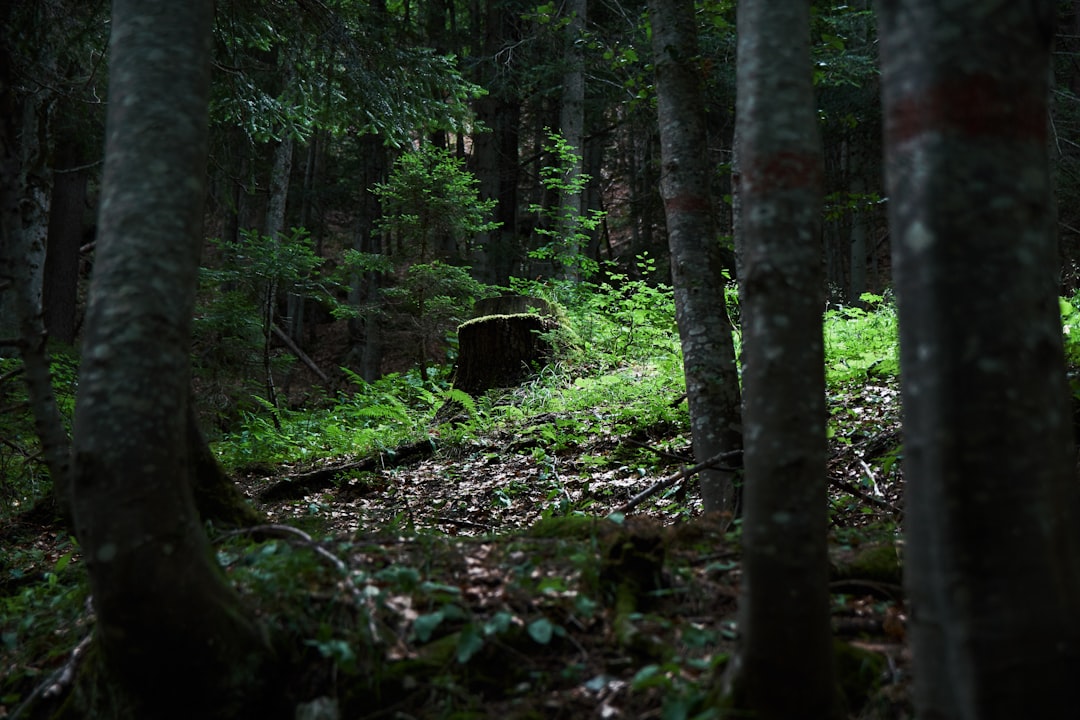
697	264
504	347
171	633
217	498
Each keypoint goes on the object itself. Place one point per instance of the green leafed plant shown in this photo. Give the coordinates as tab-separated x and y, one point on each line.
565	234
862	343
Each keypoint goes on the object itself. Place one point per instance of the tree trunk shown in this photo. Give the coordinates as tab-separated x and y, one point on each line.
276	206
503	344
572	128
216	496
171	633
495	153
365	331
992	525
68	206
712	382
785	638
25	192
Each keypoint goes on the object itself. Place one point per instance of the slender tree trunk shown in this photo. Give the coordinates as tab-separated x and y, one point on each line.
364	290
572	128
712	382
785	638
992	527
276	206
170	631
25	192
295	305
857	275
61	271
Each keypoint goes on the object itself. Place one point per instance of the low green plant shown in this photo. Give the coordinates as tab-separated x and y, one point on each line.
614	322
1070	325
396	409
42	619
24	478
862	343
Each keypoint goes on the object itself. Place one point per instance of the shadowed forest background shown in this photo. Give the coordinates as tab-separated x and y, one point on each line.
442	391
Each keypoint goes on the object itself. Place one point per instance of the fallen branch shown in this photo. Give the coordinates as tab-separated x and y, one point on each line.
713	462
58	682
661	453
866	497
296	486
295	350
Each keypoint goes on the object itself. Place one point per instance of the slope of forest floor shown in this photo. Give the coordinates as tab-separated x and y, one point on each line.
489	578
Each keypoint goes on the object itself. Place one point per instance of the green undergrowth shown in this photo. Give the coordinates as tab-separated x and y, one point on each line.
861	341
43	610
24	478
552	618
618	374
568	614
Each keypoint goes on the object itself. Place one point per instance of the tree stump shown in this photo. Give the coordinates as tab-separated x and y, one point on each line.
504	344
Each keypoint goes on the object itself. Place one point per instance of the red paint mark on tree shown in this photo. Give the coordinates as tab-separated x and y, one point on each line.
976	107
688	203
785	170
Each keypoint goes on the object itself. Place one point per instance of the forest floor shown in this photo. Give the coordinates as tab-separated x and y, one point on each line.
490	579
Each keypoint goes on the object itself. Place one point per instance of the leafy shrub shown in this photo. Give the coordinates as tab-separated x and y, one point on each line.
862	343
1070	325
23	476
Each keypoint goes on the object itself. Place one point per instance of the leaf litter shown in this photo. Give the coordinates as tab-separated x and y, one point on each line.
486	580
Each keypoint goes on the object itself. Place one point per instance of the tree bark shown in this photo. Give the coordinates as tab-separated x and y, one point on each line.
572	128
495	153
697	265
65	236
992	525
217	498
171	633
365	331
784	632
25	192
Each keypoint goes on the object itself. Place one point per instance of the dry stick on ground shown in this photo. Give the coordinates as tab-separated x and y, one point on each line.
667	482
866	497
659	452
58	681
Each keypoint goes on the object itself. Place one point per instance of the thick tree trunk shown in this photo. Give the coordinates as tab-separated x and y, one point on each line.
503	349
712	382
785	636
992	527
171	633
495	153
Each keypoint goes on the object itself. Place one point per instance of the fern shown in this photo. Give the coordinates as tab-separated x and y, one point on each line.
464	399
392	409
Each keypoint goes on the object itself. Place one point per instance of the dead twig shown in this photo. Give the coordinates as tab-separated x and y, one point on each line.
713	462
58	681
850	489
658	452
295	350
